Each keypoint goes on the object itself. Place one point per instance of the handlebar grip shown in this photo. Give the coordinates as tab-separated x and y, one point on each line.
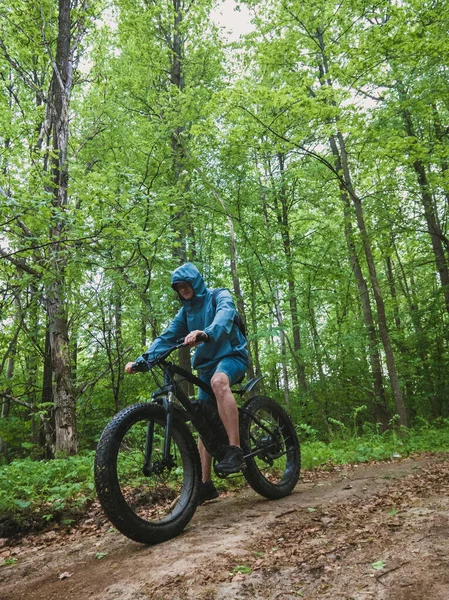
202	337
142	367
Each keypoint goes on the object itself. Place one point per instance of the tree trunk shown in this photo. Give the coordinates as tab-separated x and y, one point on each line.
392	286
280	319
283	221
256	358
381	409
182	225
237	288
441	135
433	225
6	402
47	432
118	348
32	359
338	148
63	391
421	341
381	317
11	357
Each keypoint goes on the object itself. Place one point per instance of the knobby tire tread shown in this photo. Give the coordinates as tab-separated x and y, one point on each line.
108	488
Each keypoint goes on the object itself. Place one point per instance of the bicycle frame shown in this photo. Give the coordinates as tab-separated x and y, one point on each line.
170	390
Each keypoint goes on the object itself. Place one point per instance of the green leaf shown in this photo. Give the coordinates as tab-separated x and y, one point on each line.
378	565
22	504
8	561
100	555
242	569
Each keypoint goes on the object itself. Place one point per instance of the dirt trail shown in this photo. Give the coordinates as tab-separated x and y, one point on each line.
379	531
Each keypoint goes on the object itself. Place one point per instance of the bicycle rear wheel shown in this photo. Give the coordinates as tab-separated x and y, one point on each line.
145	498
271	448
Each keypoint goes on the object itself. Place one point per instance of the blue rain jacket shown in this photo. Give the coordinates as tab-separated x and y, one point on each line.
200	313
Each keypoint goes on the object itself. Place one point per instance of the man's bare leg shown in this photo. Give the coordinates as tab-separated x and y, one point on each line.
206	462
227	407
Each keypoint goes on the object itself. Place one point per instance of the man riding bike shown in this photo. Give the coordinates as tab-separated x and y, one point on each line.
220	363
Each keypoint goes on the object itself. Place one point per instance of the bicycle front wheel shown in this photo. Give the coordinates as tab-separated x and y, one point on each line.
271	448
145	497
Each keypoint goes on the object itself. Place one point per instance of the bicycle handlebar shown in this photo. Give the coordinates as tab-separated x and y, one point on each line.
202	337
179	344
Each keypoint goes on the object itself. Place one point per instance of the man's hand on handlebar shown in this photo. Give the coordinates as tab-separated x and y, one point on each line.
129	368
195	337
192	339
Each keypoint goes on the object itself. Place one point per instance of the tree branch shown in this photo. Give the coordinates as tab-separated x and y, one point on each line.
20	264
82	388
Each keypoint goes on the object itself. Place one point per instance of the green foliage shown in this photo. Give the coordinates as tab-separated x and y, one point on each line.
163	163
376	446
32	491
244	569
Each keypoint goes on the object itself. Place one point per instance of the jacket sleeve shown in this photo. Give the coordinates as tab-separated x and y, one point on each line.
177	329
223	322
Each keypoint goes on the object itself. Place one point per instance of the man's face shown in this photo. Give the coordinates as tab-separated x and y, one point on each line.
185	290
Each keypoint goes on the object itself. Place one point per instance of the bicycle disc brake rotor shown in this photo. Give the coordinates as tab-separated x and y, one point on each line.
272	446
268	445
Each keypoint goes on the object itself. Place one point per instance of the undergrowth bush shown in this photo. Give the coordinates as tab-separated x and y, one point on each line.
372	445
33	493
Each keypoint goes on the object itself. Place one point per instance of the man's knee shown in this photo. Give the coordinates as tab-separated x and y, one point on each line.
220	384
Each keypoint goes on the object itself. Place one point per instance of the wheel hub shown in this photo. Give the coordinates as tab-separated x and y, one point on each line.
271	444
159	467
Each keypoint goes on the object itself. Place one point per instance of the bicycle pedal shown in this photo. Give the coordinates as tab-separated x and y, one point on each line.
223	475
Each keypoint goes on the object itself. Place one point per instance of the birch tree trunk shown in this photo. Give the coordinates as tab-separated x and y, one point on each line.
285	378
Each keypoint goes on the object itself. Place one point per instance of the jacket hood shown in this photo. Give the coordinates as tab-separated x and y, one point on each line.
188	272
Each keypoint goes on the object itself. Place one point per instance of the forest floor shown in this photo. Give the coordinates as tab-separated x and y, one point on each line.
373	531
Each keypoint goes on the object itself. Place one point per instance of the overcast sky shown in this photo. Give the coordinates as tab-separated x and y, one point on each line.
236	23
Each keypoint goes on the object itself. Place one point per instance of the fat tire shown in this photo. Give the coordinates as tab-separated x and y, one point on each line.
252	473
107	483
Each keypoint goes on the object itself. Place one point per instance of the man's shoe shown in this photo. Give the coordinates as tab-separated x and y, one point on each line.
208	491
232	462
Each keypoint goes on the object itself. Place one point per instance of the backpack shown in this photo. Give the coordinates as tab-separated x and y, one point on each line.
237	319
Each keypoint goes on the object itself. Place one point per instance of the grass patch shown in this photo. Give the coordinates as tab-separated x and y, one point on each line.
372	446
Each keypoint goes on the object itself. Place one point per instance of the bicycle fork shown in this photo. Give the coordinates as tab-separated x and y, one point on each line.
159	466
